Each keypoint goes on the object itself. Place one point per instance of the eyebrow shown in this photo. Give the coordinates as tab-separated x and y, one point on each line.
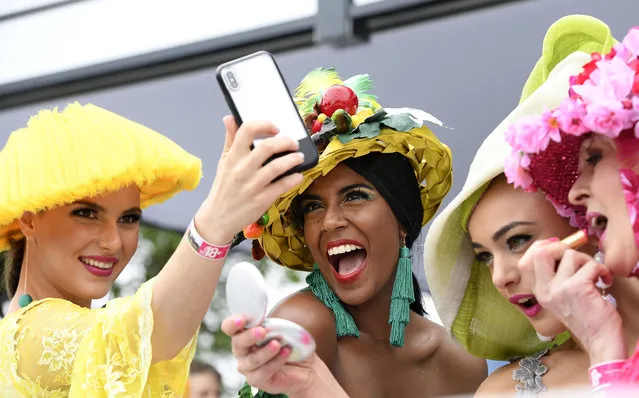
504	230
96	206
342	191
354	186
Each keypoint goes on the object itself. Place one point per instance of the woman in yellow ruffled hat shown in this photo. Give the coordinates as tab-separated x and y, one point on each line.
381	176
474	246
73	186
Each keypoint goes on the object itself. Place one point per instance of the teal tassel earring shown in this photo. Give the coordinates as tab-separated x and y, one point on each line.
403	296
344	322
25	299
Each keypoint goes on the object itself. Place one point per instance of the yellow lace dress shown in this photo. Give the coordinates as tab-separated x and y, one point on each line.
53	348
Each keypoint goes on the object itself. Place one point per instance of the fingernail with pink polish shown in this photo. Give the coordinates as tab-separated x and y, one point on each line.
553	239
285	352
273	346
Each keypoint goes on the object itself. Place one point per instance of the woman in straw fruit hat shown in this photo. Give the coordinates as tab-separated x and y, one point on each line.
74	183
583	155
381	176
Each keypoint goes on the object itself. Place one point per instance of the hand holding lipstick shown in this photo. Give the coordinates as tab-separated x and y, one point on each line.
565	284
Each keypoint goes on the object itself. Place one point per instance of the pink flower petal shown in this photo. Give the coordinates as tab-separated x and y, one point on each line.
515	173
607	116
631	41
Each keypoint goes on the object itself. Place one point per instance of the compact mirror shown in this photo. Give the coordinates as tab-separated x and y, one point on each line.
246	293
290	334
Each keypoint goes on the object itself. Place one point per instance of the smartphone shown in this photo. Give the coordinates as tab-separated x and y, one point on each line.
254	89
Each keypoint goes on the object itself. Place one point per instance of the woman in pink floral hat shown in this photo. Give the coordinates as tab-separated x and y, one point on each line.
584	155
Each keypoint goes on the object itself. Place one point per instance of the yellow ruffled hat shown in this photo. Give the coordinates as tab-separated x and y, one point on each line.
365	128
85	151
469	305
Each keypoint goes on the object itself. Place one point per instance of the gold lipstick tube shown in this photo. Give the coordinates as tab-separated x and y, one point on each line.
576	240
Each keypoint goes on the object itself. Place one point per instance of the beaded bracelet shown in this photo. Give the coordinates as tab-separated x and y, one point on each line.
604	374
204	248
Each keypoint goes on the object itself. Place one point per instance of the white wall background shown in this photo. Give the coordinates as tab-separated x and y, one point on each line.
83	33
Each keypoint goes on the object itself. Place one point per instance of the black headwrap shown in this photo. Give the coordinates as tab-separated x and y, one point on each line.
394	178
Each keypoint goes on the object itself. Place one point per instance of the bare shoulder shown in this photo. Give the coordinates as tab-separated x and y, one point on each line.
499	382
467	369
306	310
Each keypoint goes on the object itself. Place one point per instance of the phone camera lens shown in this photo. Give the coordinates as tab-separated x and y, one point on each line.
230	77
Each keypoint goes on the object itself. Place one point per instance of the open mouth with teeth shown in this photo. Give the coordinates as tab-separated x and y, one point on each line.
348	261
99	268
527	303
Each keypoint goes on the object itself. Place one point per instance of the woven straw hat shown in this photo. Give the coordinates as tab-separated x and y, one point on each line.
384	130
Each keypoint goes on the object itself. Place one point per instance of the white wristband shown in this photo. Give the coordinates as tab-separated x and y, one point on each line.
204	248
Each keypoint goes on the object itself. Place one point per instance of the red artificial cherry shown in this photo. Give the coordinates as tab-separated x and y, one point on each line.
339	97
317	126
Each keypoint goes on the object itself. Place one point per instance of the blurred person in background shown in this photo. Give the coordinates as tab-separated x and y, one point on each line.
204	381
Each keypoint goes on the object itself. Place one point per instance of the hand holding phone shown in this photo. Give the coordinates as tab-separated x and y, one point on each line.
254	89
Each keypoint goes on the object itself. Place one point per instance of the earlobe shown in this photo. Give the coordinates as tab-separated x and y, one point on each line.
28	224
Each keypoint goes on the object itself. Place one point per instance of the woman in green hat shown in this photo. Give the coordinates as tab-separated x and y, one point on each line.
381	176
589	163
474	246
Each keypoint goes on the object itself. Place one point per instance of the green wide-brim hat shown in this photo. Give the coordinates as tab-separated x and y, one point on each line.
400	131
469	305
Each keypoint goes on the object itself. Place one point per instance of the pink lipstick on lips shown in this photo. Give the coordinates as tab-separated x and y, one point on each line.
97	271
527	303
